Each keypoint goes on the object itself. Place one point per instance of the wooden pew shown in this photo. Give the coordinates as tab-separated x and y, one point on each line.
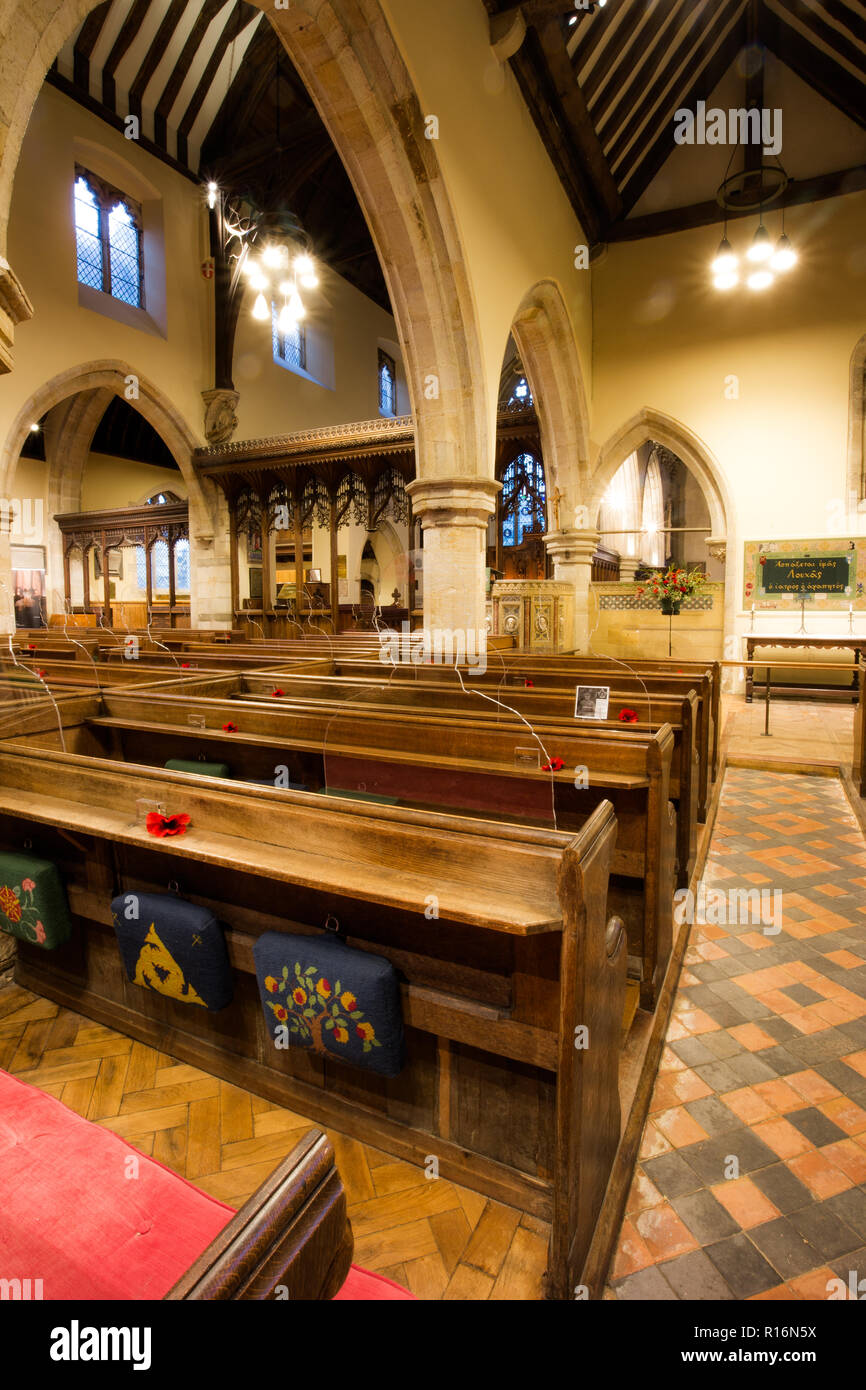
424	760
624	688
517	957
858	758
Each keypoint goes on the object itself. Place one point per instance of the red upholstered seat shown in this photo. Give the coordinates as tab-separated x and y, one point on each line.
94	1219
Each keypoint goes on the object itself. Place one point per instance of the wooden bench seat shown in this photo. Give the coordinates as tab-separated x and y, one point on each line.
517	955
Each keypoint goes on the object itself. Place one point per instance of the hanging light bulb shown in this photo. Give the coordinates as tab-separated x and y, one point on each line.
271	257
212	191
784	255
286	321
760	280
725	261
285	288
726	280
251	267
305	269
296	306
260	308
761	248
258	281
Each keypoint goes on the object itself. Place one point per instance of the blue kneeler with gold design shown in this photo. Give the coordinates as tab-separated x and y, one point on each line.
173	947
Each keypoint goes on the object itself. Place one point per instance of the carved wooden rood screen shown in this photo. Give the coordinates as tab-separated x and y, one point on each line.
135	528
278	489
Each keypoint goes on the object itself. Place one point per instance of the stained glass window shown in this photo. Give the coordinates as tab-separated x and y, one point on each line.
290	349
387	384
522	503
521	395
108	239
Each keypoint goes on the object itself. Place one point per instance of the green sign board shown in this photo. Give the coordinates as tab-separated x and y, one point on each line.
797	574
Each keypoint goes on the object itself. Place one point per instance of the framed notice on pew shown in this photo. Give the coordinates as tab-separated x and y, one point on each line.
591	701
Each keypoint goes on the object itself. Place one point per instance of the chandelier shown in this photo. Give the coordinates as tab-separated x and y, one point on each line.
278	275
752	190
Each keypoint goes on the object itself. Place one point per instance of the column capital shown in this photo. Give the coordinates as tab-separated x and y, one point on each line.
571	547
15	307
453	501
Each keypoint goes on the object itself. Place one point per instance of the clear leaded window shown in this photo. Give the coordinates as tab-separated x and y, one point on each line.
521	395
523	498
387	384
290	348
108	239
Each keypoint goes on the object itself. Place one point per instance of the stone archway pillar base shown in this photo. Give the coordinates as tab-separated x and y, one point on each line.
571	553
453	513
628	567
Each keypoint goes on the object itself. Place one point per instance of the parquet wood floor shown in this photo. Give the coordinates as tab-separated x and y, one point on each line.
439	1240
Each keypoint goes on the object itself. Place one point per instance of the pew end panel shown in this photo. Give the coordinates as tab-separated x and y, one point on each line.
291	1237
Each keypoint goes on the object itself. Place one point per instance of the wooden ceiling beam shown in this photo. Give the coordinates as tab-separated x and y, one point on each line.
825	76
120	47
812	19
85	44
246	93
209	10
705	214
232	29
161	39
710	73
621	55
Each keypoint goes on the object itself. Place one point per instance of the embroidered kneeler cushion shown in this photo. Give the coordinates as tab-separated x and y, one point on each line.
322	995
203	769
33	903
173	947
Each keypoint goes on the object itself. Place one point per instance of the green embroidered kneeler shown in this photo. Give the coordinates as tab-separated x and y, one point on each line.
33	903
201	769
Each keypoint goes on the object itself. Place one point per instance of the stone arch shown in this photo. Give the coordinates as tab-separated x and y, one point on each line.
654	424
545	338
74	402
856	470
362	89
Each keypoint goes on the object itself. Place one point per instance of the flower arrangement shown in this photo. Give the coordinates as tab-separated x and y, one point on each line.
671	586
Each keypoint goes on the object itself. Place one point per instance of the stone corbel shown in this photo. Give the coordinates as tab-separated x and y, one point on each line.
718	547
507	32
220	421
15	307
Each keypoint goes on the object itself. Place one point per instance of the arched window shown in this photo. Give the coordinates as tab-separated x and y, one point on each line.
290	347
653	513
387	384
523	500
108	239
521	394
162	499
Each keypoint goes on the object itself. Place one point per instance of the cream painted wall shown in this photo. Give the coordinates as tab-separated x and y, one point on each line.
762	380
515	221
62	334
114	482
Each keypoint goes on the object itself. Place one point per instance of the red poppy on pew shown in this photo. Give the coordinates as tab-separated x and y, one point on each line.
230	728
161	826
528	683
278	693
41	675
628	716
184	665
555	765
31	646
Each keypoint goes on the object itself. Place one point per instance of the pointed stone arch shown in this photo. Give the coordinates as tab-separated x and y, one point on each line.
698	458
75	401
545	337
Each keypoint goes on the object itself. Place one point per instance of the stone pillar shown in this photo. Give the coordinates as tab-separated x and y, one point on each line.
628	567
453	513
7	594
210	567
571	553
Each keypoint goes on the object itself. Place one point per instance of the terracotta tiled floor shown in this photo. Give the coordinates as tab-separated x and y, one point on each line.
799	729
751	1181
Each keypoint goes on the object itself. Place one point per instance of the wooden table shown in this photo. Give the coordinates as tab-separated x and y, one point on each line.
849	640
